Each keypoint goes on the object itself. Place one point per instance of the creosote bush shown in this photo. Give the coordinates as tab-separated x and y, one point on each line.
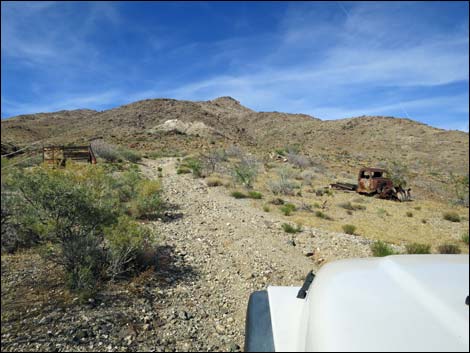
290	229
238	195
287	209
255	195
451	216
465	237
349	229
78	214
380	249
322	215
415	248
448	249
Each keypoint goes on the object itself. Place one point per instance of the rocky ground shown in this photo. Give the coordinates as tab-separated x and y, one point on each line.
214	251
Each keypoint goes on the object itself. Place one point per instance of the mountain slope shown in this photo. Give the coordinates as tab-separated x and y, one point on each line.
341	145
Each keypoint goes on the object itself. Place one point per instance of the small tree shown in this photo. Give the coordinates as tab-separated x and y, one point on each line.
246	171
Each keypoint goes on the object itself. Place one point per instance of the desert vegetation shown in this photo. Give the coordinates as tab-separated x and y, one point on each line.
83	218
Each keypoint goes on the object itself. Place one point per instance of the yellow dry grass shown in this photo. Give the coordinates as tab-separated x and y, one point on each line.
381	220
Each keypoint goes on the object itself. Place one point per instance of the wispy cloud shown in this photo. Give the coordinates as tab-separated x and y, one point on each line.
331	60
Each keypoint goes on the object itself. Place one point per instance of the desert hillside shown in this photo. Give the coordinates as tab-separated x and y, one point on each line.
179	127
192	206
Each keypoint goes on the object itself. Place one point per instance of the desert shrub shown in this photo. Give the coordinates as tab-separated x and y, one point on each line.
238	195
282	184
380	249
459	185
214	158
290	229
448	249
287	209
125	241
464	237
255	195
148	203
277	201
108	152
409	214
77	213
451	216
298	160
398	172
246	171
415	248
194	165
417	208
183	170
322	215
305	207
214	181
266	208
424	221
316	205
126	184
307	177
349	228
70	209
130	155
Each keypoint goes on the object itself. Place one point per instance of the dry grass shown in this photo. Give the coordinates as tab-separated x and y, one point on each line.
379	219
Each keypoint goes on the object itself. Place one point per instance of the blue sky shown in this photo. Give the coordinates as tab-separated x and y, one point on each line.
331	60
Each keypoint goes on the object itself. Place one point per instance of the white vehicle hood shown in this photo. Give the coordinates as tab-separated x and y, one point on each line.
397	303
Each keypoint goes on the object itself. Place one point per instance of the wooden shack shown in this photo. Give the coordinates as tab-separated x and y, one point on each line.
59	155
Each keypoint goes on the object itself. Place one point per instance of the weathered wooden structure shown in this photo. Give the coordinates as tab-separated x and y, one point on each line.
58	155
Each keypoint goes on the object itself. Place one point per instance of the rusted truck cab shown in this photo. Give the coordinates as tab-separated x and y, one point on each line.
373	180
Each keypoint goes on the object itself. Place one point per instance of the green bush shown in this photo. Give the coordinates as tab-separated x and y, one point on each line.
255	195
380	249
448	249
465	237
183	170
266	208
194	165
287	209
415	248
409	214
349	228
245	172
238	195
125	240
70	209
148	203
77	212
290	229
322	215
451	216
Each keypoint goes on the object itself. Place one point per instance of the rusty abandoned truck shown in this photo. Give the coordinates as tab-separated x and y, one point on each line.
375	182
